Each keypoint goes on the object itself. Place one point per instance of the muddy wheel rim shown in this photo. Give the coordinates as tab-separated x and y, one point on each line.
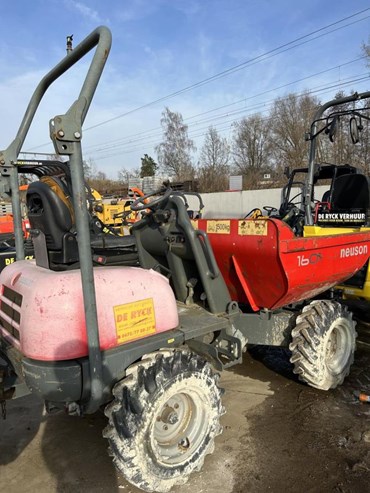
180	427
338	347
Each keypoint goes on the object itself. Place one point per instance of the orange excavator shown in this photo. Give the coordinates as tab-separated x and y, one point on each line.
6	218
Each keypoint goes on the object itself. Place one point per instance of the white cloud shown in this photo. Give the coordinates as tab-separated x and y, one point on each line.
84	10
131	10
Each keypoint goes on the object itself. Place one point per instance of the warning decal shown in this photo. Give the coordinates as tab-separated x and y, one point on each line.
218	227
134	320
256	227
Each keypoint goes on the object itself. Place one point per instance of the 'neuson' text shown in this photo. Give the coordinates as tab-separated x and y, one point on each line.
353	251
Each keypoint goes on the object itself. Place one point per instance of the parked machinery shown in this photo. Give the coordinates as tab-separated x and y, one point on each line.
146	341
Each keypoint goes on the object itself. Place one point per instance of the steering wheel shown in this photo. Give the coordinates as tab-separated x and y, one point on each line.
269	209
140	204
290	205
294	198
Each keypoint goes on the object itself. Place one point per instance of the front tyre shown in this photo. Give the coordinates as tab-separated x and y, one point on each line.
164	418
323	344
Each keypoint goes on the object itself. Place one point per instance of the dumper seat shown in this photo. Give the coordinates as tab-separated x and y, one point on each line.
351	191
53	230
350	197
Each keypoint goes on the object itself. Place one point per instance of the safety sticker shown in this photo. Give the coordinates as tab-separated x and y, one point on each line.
257	227
134	320
218	227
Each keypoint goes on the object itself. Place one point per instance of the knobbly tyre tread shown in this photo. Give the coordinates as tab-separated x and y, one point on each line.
133	408
308	341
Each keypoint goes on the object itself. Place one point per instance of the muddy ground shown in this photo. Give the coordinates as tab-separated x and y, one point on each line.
279	436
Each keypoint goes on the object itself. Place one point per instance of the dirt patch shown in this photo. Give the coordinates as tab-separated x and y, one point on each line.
279	435
306	439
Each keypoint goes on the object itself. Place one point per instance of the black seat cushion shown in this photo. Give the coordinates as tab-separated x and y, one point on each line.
351	192
109	242
48	213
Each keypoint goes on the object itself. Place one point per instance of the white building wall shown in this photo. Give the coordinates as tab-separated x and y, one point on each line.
238	204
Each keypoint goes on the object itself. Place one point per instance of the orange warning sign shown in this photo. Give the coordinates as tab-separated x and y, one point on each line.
134	320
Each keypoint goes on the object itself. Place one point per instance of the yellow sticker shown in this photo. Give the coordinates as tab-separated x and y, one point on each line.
218	227
134	320
256	227
194	223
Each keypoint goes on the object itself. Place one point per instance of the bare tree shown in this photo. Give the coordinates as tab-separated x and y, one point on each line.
338	150
291	117
214	163
89	168
366	51
174	153
125	174
342	150
251	148
361	151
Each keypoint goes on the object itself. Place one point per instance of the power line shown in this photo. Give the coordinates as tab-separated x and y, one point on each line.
148	138
264	56
152	142
243	100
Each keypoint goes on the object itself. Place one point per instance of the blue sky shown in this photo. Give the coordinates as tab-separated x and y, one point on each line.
162	46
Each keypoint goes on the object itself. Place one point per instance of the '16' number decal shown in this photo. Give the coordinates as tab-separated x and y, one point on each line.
314	258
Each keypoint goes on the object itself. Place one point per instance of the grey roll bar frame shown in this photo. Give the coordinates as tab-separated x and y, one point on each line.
313	134
66	134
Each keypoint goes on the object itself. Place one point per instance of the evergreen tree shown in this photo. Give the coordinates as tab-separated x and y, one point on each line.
148	166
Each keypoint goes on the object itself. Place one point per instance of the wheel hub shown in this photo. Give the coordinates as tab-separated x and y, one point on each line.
168	416
179	427
338	347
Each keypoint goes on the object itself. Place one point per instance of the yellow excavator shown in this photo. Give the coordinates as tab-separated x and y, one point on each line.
116	213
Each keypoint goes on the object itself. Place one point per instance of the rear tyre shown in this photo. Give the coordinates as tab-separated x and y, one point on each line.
323	344
164	418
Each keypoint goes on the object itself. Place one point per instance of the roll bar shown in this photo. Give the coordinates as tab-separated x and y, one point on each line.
66	134
312	136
